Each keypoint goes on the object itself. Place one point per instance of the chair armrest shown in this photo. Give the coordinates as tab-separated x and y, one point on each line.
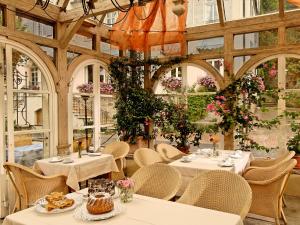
262	162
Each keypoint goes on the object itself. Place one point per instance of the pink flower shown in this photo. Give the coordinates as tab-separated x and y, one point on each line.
222	98
211	107
246	118
272	72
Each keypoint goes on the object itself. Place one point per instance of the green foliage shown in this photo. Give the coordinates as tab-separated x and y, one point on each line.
136	106
267	6
197	106
293	143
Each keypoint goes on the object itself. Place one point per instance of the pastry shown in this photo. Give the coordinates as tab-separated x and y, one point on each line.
100	203
57	200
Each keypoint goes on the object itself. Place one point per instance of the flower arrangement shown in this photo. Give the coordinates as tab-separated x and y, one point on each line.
85	88
172	83
89	87
106	89
208	83
126	189
214	139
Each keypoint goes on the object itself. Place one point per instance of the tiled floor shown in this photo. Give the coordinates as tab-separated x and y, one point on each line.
292	212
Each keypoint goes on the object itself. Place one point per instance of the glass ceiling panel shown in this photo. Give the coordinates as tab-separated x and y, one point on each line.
202	12
240	9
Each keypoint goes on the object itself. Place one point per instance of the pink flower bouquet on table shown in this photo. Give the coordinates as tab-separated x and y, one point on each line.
126	189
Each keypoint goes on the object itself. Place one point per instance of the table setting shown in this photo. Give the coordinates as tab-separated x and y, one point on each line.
78	169
102	201
210	159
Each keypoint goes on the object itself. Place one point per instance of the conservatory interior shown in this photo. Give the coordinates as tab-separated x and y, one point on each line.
161	112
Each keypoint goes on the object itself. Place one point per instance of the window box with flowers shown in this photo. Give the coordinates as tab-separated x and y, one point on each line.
172	84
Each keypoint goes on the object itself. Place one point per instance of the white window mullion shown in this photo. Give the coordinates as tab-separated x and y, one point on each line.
2	110
10	108
97	114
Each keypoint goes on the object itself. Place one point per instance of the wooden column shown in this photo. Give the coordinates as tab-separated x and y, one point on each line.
228	75
10	18
147	75
62	88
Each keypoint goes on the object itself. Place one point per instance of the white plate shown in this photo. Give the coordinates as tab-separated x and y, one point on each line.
81	213
54	160
236	156
69	161
226	164
94	154
40	209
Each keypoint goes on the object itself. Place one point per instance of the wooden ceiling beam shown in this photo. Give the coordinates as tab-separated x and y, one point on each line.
70	31
101	7
53	11
244	26
64	5
221	12
281	8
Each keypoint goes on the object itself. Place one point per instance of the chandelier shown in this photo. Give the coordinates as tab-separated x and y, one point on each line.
89	5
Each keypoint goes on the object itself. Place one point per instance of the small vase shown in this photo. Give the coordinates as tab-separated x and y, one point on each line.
126	195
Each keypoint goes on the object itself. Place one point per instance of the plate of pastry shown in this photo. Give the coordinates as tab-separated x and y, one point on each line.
99	206
57	202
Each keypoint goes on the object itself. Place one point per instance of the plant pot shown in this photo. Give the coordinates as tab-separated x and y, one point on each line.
184	149
297	157
140	143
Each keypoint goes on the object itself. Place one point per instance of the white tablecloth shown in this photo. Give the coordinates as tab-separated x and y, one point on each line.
201	163
80	170
141	211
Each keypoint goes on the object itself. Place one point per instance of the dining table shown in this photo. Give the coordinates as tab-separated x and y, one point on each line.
200	162
79	169
142	210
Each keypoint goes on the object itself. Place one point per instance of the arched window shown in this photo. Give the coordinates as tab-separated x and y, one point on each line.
92	106
26	106
193	87
281	72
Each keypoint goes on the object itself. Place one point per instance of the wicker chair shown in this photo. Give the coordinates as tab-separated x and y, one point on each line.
157	180
268	185
219	190
146	156
271	162
119	150
168	153
31	186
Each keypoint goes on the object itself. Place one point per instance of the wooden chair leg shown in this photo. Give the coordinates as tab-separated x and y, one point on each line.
277	221
283	202
283	217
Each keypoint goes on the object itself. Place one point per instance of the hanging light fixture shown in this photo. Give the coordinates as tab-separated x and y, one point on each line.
44	4
178	8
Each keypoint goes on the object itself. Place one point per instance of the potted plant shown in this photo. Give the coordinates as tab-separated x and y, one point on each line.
176	126
135	106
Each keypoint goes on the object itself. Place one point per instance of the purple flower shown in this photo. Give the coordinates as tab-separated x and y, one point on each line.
106	89
85	88
207	82
172	83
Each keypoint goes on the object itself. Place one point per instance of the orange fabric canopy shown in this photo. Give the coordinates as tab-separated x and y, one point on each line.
152	25
295	2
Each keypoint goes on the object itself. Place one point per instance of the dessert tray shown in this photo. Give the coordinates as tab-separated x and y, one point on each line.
65	204
81	213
